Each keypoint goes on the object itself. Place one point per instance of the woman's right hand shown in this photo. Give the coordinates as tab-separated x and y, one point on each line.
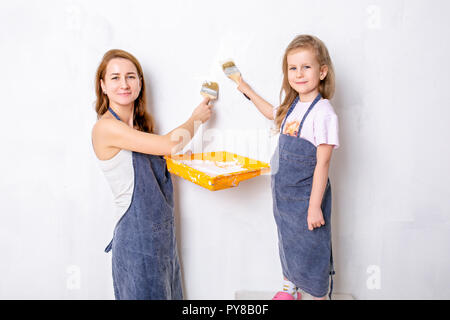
203	111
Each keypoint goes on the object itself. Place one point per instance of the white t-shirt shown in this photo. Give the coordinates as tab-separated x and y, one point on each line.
320	126
119	173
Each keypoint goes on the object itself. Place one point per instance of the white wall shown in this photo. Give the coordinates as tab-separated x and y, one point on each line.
391	209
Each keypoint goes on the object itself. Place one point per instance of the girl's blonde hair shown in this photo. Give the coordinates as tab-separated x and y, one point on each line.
142	121
326	86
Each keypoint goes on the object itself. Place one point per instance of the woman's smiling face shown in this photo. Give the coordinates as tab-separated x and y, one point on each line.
121	82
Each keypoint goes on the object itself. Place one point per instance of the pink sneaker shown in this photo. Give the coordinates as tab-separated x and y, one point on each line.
280	295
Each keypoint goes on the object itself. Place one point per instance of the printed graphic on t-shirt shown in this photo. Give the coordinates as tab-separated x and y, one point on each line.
291	128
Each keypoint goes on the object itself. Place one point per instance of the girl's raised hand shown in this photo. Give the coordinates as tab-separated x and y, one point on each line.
315	218
203	111
243	86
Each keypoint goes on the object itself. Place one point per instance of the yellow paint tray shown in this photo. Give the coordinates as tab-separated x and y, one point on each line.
250	168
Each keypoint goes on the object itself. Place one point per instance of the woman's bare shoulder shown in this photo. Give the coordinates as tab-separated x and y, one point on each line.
101	136
104	125
102	129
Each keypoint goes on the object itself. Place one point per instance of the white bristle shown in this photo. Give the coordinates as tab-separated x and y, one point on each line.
209	91
231	70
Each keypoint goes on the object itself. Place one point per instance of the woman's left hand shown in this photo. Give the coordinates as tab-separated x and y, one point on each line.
315	218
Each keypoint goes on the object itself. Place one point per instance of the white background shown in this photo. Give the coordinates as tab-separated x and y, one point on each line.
391	208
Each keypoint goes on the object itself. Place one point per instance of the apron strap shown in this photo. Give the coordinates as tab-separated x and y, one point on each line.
114	114
109	246
332	273
291	108
307	112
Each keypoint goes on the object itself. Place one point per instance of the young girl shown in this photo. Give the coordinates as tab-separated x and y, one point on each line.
300	186
145	262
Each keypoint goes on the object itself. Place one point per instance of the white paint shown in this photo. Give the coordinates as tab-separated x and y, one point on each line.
214	168
389	178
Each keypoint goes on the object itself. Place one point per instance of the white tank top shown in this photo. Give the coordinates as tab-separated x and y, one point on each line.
119	173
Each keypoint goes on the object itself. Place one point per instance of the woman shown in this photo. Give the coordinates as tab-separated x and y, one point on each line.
145	262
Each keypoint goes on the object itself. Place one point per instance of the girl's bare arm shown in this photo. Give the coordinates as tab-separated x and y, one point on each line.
315	215
263	106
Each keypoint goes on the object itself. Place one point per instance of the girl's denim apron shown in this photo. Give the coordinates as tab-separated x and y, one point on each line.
145	262
306	256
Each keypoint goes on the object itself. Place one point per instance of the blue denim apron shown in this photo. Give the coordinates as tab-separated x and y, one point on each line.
306	256
145	263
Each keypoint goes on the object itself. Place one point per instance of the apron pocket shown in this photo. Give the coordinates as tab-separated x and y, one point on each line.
300	192
298	158
163	238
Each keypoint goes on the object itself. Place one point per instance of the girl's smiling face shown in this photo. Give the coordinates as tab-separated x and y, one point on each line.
121	82
305	73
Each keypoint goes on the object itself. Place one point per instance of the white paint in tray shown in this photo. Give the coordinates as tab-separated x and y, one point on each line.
214	168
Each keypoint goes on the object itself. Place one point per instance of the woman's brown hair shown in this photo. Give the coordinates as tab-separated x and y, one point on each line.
326	86
142	121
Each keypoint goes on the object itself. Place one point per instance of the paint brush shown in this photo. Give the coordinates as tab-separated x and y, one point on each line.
210	90
232	72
